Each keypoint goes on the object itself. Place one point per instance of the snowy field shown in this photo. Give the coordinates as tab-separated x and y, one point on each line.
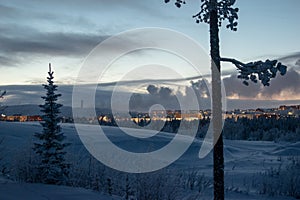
244	161
10	190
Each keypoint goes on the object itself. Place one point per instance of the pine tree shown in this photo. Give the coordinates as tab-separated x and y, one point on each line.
213	12
52	168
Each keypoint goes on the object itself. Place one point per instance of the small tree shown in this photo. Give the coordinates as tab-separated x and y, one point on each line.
52	168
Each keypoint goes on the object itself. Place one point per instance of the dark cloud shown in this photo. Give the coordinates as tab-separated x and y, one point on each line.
201	88
235	87
135	6
195	94
19	15
298	63
6	11
22	35
289	84
157	95
291	60
21	38
51	43
13	45
7	61
152	89
291	56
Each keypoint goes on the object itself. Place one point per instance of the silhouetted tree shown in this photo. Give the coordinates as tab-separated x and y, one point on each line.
213	12
51	149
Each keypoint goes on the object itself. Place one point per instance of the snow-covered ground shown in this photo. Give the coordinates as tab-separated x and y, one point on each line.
16	191
243	161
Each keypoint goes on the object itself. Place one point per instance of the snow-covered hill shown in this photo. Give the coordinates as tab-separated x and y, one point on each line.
16	191
243	159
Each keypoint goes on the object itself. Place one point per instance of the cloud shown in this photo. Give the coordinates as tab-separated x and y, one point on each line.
19	9
7	61
290	56
291	60
7	11
135	6
298	63
25	35
51	43
34	29
13	45
282	87
235	88
157	95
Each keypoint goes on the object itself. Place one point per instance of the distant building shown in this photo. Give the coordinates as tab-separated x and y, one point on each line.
20	118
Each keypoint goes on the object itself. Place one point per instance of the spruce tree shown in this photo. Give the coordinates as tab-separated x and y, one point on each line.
52	167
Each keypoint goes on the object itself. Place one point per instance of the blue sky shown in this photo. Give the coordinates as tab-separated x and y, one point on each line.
34	33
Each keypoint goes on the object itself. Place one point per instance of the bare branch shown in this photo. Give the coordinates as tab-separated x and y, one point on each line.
263	70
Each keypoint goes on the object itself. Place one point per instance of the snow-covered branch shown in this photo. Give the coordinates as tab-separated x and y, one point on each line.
224	9
264	71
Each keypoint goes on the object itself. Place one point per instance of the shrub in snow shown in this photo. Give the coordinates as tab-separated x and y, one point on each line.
282	180
158	185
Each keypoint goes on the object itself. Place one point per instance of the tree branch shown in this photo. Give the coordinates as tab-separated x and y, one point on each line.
265	71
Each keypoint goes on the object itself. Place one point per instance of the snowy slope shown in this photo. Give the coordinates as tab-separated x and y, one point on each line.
17	191
243	159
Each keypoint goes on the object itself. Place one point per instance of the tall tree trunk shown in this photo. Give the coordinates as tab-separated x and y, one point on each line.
216	104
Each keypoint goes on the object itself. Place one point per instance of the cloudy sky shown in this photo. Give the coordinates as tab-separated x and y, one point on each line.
34	33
